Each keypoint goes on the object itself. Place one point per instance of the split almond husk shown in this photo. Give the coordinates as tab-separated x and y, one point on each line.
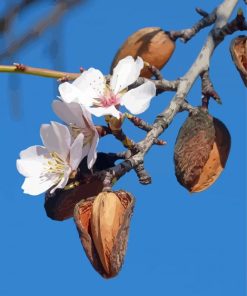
238	49
103	226
152	44
201	151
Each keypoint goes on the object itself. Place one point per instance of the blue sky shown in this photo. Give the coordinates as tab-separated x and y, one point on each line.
180	244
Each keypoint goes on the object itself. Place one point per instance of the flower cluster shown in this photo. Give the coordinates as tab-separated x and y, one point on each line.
50	166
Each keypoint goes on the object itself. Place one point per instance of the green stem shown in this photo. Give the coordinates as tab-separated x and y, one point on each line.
22	69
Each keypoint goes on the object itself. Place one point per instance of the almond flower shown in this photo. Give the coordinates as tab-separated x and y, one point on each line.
79	121
91	90
50	166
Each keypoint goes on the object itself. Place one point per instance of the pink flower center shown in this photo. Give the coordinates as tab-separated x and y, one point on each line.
109	100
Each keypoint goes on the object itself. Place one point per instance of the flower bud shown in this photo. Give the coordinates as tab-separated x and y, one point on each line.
103	226
238	50
201	151
152	44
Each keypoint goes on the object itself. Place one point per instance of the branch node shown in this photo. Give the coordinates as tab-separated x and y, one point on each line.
143	125
143	176
185	106
19	67
63	79
155	71
208	90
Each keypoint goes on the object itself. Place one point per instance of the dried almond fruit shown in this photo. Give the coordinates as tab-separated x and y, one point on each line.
82	216
201	151
152	44
238	49
103	228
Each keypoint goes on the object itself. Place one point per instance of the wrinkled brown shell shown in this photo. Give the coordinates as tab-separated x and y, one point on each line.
60	205
109	263
152	44
238	50
201	151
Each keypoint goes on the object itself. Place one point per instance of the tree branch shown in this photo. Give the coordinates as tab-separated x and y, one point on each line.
58	11
184	85
186	34
7	19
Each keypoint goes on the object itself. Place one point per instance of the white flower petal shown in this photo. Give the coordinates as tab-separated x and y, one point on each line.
32	161
36	186
30	168
137	100
63	182
87	117
56	137
101	111
71	94
76	152
92	154
70	113
125	73
34	152
92	82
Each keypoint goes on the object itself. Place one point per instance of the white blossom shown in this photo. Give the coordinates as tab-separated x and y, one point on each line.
91	90
79	121
50	166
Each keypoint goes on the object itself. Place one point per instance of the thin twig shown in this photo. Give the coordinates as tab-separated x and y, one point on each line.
12	12
164	119
58	11
186	34
37	71
208	90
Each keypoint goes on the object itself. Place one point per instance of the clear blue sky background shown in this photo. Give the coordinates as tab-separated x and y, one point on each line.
180	244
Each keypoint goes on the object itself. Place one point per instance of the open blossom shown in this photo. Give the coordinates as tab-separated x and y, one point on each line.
51	165
91	89
79	121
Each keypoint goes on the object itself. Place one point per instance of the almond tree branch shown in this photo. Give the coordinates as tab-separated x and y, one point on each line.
163	120
182	87
208	90
7	19
186	34
22	69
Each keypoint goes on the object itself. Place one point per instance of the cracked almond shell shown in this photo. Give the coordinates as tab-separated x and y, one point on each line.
201	151
238	49
152	44
103	225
